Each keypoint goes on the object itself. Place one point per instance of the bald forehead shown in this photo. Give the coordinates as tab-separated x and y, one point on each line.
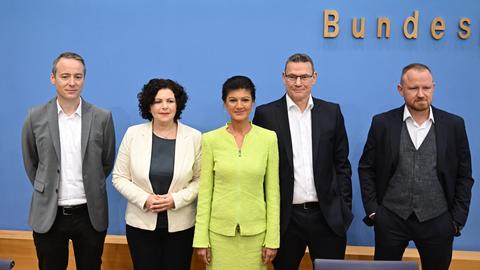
414	72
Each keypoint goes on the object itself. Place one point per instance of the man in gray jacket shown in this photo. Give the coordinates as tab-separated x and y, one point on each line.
68	148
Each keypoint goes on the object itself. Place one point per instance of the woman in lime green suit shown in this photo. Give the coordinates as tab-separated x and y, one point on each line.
237	224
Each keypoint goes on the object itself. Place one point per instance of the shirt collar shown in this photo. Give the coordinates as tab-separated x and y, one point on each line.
291	104
77	111
407	115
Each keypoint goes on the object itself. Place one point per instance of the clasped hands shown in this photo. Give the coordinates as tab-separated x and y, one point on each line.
159	203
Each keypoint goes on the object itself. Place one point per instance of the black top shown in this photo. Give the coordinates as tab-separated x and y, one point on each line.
161	170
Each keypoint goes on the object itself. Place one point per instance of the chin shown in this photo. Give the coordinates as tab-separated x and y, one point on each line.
164	120
72	97
420	108
239	119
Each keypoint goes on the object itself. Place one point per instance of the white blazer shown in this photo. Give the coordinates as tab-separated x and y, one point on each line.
131	177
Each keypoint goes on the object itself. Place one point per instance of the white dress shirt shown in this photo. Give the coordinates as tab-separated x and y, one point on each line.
301	133
70	190
417	132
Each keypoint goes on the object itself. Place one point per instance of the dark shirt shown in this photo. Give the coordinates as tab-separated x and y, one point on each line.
161	170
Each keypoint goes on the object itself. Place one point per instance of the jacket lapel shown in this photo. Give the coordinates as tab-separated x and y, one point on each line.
395	132
52	114
440	136
284	128
316	121
145	145
87	119
180	153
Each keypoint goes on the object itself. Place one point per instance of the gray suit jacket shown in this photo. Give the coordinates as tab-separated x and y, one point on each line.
41	158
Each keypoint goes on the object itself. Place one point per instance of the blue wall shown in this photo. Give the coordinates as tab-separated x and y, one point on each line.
201	43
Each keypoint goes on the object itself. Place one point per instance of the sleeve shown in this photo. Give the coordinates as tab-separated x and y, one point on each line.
464	180
189	194
29	149
272	190
122	176
343	167
367	175
201	238
108	153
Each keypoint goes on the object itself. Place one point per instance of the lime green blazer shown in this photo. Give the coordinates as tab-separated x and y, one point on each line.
239	187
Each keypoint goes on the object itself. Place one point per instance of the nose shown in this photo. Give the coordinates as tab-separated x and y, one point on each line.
298	81
420	92
71	81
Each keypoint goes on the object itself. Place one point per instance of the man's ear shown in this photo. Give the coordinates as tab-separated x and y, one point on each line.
400	89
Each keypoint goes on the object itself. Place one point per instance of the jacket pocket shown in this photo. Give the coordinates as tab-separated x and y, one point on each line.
38	186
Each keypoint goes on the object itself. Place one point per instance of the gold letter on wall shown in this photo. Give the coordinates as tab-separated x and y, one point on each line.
437	27
464	25
327	23
381	21
414	20
361	33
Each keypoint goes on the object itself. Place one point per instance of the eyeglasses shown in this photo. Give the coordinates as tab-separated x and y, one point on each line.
294	78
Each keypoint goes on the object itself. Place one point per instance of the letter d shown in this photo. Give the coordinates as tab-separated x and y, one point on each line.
414	20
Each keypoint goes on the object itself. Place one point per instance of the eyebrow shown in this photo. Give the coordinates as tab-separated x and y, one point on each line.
67	73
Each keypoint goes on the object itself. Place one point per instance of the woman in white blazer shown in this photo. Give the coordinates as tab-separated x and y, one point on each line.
157	171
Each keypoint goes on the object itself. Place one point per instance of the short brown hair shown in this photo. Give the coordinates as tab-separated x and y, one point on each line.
68	55
299	58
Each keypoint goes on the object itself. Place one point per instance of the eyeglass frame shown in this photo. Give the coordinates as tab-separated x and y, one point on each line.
294	78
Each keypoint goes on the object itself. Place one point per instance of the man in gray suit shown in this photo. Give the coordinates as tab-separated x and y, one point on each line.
68	148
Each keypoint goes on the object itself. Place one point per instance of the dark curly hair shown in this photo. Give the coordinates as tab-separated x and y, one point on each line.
146	97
